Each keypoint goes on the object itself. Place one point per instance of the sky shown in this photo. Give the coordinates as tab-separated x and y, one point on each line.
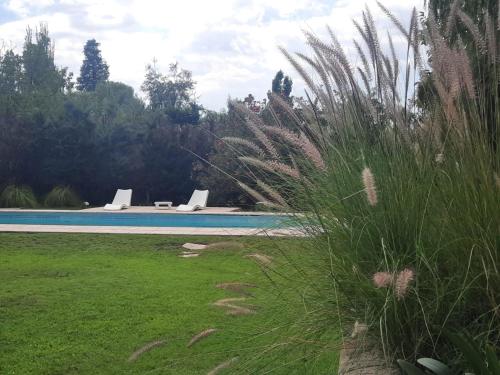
230	46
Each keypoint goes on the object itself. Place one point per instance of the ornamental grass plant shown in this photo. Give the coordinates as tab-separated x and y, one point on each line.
395	167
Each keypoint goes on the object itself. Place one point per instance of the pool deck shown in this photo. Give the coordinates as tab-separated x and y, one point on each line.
151	230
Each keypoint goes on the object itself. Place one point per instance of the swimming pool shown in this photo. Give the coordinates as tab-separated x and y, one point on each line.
145	219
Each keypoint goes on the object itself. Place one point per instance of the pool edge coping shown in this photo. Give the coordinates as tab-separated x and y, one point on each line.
195	231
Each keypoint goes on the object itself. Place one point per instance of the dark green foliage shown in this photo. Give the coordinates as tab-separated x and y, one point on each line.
100	138
14	196
62	196
40	75
480	361
282	85
10	73
94	69
172	95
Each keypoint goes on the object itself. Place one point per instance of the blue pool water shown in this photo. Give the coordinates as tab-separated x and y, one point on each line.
145	219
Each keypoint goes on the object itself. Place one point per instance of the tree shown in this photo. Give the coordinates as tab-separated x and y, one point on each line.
173	94
10	73
94	69
282	85
40	74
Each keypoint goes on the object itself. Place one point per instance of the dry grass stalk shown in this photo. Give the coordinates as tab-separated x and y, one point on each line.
237	283
252	192
223	245
262	259
225	301
370	189
236	287
233	309
188	255
154	344
201	336
239	311
223	366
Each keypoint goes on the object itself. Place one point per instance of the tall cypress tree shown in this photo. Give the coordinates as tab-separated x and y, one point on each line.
94	69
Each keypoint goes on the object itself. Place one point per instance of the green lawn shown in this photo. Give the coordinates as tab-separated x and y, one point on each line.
82	304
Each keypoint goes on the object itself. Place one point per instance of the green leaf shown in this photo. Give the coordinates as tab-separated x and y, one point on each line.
473	356
434	365
409	369
493	360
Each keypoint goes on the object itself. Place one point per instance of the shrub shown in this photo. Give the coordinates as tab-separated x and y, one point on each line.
401	202
63	196
18	196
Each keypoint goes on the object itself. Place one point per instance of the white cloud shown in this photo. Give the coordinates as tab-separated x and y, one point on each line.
229	45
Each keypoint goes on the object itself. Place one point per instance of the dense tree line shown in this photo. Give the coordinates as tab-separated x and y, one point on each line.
96	135
100	136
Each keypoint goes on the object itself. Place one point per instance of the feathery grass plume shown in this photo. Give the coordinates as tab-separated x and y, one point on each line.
394	19
258	196
271	166
452	17
370	188
306	77
402	283
489	25
262	259
246	143
201	336
301	141
254	193
272	193
253	122
277	100
367	71
223	366
439	158
154	344
336	53
474	30
382	279
282	168
415	41
266	142
464	70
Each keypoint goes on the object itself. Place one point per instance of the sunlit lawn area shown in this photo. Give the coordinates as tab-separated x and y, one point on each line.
82	304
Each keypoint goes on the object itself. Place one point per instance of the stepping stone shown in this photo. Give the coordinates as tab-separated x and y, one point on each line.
194	246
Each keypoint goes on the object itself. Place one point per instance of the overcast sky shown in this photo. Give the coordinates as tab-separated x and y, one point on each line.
229	45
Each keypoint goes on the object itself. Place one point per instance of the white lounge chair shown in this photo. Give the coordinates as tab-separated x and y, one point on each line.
197	202
122	200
